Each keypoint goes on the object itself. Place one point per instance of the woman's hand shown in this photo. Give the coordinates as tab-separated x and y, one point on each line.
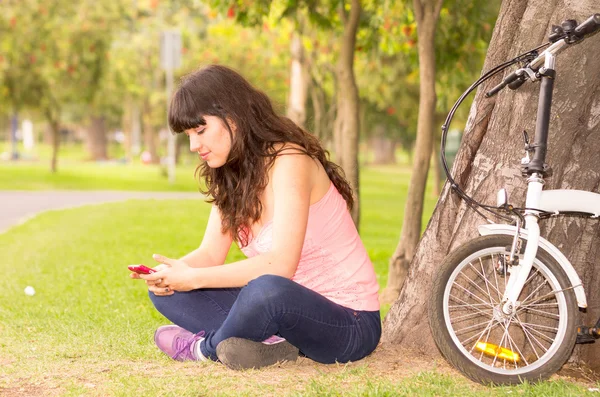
171	275
154	285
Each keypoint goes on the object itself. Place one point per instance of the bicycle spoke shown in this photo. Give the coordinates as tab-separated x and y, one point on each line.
476	285
536	290
546	297
543	327
524	307
471	294
487	338
468	305
465	317
487	283
529	337
478	336
470	328
500	344
535	331
496	280
514	346
542	313
474	308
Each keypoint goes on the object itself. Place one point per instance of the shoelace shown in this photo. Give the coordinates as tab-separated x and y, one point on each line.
184	344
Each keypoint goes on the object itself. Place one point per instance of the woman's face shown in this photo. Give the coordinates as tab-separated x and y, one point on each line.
211	141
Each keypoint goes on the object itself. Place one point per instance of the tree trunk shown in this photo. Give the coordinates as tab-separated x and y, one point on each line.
436	164
427	13
347	123
96	140
384	148
150	135
318	104
299	79
52	116
482	166
126	128
55	128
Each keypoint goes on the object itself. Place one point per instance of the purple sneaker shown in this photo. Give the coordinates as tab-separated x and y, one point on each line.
178	343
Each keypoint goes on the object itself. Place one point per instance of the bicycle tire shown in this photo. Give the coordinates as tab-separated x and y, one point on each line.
475	363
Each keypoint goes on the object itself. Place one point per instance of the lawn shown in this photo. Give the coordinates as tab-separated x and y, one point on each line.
88	329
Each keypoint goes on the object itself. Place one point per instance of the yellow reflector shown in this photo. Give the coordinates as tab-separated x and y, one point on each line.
497	351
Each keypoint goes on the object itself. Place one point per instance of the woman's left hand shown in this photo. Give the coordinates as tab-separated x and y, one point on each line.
175	276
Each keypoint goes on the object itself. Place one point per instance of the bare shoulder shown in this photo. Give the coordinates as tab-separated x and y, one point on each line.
290	155
289	148
294	166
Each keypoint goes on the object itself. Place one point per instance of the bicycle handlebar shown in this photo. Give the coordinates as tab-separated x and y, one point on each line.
589	26
516	79
511	78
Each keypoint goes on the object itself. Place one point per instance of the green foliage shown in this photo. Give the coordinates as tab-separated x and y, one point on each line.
81	58
388	74
49	60
464	32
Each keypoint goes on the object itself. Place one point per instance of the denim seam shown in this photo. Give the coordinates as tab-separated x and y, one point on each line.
321	322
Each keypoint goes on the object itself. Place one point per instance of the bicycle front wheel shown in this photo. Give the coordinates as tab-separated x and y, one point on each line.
476	336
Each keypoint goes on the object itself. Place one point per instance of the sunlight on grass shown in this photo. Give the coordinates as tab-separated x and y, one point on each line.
88	329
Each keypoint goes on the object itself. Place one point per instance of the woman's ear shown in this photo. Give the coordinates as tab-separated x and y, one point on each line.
231	124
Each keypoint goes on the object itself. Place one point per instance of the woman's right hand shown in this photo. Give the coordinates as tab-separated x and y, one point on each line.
155	286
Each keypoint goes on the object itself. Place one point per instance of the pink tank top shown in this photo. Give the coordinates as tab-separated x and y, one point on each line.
333	261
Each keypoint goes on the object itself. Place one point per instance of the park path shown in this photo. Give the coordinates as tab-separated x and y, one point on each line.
18	206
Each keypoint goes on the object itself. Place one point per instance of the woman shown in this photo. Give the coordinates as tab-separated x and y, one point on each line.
307	284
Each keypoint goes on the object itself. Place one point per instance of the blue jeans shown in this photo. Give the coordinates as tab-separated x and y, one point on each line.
271	305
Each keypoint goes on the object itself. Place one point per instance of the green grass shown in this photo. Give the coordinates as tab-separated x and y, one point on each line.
88	329
93	176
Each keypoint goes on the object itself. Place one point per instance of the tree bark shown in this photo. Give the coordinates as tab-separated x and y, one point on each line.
53	118
384	148
437	172
299	79
150	135
427	13
489	158
347	122
318	105
96	140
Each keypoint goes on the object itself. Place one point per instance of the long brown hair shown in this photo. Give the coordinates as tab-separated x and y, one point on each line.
236	187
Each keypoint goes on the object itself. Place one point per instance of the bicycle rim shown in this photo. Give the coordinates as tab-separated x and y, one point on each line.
505	345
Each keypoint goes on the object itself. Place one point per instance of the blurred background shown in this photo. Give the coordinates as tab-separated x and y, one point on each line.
86	81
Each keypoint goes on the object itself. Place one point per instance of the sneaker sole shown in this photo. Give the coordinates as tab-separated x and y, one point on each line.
238	353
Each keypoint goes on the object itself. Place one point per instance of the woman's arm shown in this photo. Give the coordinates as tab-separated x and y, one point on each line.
214	247
292	181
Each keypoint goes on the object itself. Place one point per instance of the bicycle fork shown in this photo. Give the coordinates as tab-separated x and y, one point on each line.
520	272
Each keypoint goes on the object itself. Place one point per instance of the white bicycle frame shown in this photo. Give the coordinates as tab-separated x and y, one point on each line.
556	201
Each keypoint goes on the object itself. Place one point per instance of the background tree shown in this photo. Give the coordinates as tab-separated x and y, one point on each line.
345	17
63	62
446	59
426	14
489	158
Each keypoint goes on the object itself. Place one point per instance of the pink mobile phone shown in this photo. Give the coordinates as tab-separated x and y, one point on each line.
141	269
